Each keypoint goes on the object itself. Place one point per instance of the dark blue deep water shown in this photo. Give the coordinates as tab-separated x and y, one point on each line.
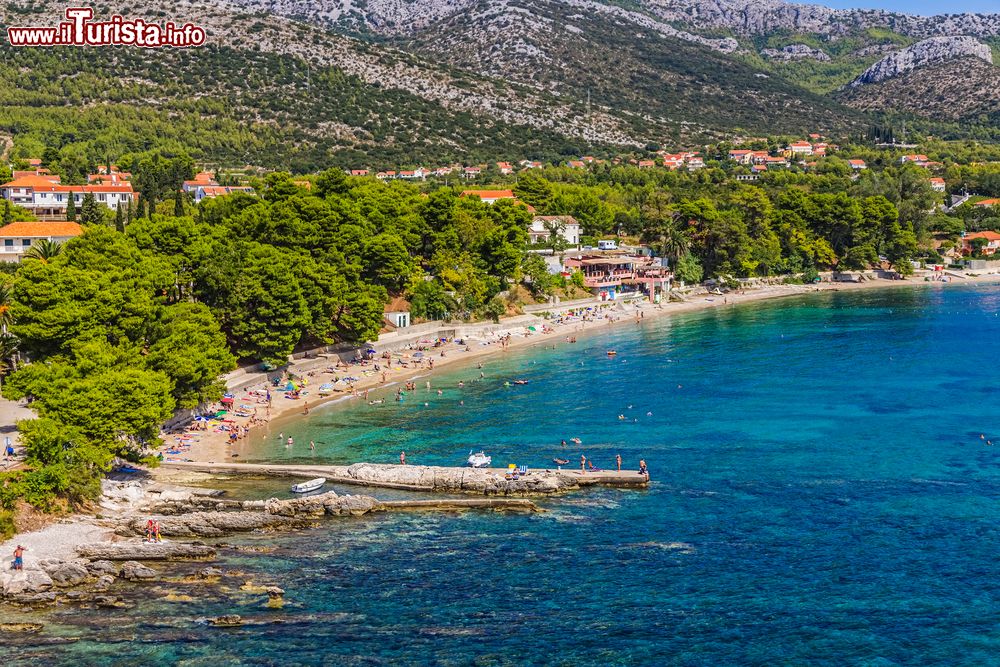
820	496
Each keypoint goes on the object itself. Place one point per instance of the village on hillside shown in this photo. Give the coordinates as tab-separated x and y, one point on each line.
44	209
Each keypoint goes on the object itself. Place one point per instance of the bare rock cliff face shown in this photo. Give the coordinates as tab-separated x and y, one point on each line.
762	17
927	52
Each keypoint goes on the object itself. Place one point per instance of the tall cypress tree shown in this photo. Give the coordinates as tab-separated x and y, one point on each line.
178	204
119	219
71	208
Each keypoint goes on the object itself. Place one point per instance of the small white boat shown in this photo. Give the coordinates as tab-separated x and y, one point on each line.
480	460
311	485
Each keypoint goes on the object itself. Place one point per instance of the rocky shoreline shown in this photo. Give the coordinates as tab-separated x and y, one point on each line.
95	574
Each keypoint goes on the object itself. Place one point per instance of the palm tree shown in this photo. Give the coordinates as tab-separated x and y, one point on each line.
670	239
43	250
8	353
5	297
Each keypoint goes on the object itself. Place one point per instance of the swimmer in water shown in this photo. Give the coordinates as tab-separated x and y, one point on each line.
312	445
290	441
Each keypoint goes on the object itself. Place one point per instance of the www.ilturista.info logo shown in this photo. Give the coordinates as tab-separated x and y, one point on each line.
79	30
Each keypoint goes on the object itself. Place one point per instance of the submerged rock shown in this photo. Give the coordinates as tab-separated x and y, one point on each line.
21	627
227	621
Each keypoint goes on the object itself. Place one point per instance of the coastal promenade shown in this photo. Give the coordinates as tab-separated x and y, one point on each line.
484	481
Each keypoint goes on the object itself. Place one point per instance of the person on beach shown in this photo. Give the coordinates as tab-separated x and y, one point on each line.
156	531
642	468
618	460
305	408
18	563
402	458
583	463
149	530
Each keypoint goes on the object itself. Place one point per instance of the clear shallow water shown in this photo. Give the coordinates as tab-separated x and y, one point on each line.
821	496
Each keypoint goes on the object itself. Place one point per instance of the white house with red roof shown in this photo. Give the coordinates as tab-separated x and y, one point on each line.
938	184
992	240
801	148
200	179
489	196
213	191
988	202
857	165
569	228
46	198
17	237
919	160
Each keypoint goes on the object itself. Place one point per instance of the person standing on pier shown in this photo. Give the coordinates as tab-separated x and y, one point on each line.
618	460
642	468
583	463
402	458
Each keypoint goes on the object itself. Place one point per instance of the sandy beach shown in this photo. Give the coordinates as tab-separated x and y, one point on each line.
212	445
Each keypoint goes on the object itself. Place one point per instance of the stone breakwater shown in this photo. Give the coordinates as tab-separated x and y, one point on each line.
100	567
481	481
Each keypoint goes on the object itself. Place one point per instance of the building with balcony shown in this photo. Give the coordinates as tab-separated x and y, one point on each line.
17	237
613	276
47	198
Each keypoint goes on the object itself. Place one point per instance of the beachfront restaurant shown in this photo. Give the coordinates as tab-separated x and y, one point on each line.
616	276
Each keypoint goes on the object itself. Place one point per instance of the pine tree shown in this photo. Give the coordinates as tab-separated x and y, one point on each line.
8	212
71	208
119	219
90	211
178	204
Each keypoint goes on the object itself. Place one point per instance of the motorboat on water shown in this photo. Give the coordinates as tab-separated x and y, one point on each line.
479	460
311	485
612	353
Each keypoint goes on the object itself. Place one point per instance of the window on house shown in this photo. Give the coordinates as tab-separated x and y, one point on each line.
8	243
102	197
26	242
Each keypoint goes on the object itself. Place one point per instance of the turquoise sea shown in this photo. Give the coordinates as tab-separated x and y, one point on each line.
821	496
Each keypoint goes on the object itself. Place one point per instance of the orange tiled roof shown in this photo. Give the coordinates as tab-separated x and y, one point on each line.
489	194
29	229
988	235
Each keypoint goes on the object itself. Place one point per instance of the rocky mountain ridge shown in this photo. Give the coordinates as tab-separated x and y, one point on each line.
926	52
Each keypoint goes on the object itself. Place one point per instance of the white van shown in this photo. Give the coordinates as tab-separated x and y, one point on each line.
610	244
